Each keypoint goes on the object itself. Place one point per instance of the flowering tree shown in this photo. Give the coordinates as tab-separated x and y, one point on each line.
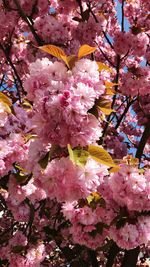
74	133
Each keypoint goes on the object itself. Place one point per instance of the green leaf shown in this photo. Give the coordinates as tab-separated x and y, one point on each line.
110	91
22	178
136	30
78	156
100	227
114	169
27	105
106	111
94	111
94	196
22	175
100	155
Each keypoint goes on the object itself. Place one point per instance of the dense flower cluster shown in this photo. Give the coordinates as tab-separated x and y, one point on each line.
136	81
74	132
131	188
62	100
67	182
132	235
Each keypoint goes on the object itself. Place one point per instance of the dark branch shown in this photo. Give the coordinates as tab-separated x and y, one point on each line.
29	23
107	39
14	70
112	255
123	114
105	56
91	11
81	8
114	100
122	21
143	141
130	258
93	256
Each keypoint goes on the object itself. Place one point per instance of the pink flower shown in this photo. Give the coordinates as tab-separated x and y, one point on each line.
132	235
68	182
130	188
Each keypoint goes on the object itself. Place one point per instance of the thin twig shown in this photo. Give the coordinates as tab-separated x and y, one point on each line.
2	80
80	6
91	11
107	39
122	11
130	257
105	56
114	250
14	70
143	141
29	22
113	102
124	113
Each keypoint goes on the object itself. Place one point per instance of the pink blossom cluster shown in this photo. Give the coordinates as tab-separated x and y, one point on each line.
7	22
118	149
82	32
132	235
34	256
131	188
62	100
142	109
28	6
12	149
88	226
127	42
55	209
51	29
136	81
67	182
127	189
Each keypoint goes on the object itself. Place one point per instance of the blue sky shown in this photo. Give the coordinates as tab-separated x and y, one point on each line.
119	15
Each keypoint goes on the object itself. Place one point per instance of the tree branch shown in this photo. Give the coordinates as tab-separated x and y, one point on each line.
108	41
29	22
130	257
123	114
104	55
113	102
93	256
112	255
80	6
14	70
122	11
143	141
